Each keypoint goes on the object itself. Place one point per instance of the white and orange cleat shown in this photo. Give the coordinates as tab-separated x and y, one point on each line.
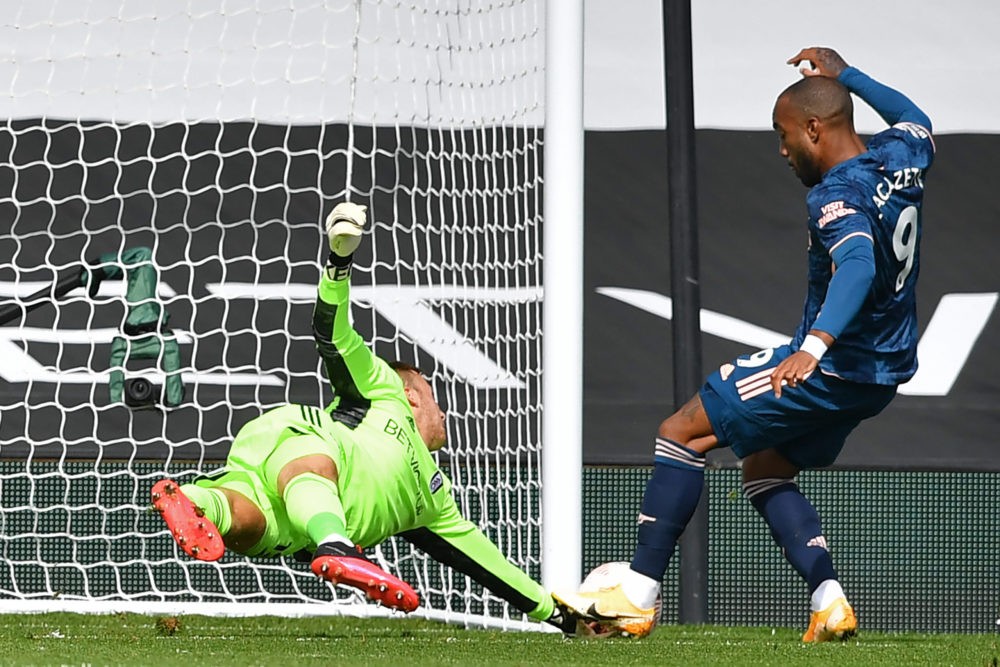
192	530
837	621
610	609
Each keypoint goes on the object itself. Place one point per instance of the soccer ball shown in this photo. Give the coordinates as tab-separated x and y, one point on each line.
605	575
609	575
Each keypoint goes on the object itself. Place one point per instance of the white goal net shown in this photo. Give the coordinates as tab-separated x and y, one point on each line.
186	153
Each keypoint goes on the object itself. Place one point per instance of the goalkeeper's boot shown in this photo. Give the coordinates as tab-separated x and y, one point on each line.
339	564
611	609
564	619
835	622
192	530
573	625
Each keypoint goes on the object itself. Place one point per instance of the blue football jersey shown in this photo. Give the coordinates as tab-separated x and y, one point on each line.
878	194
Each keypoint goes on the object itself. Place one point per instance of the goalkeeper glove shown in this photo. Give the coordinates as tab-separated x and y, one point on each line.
344	226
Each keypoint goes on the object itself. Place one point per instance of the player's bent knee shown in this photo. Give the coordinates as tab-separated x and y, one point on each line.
678	430
674	429
688	425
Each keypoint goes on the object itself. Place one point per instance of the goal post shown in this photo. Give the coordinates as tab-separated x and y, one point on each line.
185	154
562	386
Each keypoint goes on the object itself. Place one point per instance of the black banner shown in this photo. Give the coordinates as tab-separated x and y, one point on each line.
239	205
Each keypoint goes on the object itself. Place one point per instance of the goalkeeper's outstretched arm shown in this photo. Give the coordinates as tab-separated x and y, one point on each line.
355	373
456	542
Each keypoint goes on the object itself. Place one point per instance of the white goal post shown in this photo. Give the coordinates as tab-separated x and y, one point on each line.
163	170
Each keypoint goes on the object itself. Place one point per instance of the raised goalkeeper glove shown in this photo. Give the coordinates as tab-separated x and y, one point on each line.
344	226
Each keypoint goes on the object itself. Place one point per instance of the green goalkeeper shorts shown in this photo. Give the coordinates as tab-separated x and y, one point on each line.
252	469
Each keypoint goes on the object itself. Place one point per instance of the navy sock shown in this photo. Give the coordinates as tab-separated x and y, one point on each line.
795	527
671	497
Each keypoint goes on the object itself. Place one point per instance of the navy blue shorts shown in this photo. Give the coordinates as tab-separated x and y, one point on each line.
807	425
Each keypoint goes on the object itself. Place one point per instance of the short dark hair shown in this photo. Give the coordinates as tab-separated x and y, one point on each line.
822	97
402	367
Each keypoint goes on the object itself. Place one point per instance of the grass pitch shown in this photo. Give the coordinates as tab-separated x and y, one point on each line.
127	639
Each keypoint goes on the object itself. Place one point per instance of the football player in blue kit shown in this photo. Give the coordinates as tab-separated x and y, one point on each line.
791	408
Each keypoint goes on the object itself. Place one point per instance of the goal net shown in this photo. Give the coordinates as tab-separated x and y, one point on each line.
164	168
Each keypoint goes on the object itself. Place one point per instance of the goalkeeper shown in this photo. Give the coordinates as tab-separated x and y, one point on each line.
325	483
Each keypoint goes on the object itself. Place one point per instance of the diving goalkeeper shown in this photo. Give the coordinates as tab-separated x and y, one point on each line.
322	483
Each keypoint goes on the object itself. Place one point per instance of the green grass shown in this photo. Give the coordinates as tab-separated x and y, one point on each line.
127	639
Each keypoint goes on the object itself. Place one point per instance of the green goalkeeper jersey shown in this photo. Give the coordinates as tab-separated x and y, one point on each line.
388	480
389	483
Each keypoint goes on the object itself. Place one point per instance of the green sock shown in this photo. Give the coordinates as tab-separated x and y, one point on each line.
314	508
213	503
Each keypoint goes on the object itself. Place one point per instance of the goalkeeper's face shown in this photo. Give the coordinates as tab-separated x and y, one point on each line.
427	413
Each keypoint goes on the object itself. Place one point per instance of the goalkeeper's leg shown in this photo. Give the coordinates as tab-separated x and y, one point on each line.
193	531
227	507
312	502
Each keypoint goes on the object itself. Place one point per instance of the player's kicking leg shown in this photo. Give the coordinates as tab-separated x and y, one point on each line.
340	564
192	530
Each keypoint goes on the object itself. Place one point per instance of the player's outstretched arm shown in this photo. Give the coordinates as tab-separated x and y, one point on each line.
459	544
890	104
352	368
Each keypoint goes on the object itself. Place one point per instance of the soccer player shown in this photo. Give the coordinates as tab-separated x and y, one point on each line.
790	408
322	483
